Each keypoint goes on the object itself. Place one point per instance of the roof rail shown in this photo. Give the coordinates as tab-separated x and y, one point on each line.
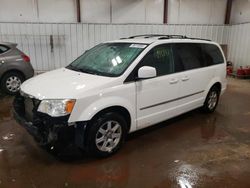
182	37
157	35
146	36
173	37
199	39
162	36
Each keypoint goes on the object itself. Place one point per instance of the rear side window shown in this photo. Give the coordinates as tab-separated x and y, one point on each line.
188	56
3	49
161	58
212	54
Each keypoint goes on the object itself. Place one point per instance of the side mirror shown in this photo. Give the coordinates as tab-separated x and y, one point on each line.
146	72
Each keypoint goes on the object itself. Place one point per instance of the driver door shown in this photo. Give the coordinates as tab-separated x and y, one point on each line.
156	97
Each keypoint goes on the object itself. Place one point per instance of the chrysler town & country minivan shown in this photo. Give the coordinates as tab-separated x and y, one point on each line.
119	87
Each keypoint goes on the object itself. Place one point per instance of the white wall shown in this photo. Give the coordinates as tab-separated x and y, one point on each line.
92	11
37	11
154	11
122	11
115	11
239	45
196	11
137	11
56	11
95	11
71	40
240	11
18	11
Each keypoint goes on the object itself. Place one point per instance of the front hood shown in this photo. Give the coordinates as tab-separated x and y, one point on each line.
63	84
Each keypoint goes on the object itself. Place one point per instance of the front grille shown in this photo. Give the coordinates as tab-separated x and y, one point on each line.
26	106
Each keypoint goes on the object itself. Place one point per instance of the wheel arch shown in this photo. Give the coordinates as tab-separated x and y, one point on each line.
214	82
117	109
10	71
218	85
206	104
88	108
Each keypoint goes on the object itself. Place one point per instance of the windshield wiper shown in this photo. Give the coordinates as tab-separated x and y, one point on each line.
72	67
80	69
88	71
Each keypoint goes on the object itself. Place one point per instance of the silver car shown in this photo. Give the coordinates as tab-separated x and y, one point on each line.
15	67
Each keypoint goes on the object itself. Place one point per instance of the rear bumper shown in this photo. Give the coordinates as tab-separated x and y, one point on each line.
224	87
28	71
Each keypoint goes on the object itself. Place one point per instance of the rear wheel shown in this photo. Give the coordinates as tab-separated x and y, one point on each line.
11	82
212	99
106	134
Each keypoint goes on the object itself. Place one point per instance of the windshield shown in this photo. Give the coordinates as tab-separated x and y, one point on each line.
108	59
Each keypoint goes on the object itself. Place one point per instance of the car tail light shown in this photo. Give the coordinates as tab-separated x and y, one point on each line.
25	58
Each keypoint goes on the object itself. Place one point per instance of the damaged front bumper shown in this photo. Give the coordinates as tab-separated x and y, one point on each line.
45	129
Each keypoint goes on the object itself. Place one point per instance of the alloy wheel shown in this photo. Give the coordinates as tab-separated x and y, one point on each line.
108	136
212	100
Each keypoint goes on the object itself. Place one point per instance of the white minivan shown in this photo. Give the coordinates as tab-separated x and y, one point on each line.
119	87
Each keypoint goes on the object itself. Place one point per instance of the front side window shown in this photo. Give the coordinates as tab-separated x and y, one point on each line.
189	55
160	57
108	59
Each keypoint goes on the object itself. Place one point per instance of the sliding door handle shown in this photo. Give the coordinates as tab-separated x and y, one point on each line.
174	81
186	78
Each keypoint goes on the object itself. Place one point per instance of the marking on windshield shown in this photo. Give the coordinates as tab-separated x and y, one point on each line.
137	46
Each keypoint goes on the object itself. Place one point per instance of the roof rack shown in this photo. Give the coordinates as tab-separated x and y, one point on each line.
162	36
199	39
182	37
173	36
157	35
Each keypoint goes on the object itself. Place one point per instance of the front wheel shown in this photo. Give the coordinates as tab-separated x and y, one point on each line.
212	99
106	134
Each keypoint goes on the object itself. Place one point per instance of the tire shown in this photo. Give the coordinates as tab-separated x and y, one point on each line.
212	99
11	82
106	134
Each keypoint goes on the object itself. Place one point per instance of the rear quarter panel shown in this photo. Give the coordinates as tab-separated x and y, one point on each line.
220	74
23	67
12	60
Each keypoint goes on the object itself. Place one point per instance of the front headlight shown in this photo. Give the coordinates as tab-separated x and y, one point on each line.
56	107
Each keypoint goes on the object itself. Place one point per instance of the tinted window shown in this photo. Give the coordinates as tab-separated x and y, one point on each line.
3	49
160	57
188	56
212	54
